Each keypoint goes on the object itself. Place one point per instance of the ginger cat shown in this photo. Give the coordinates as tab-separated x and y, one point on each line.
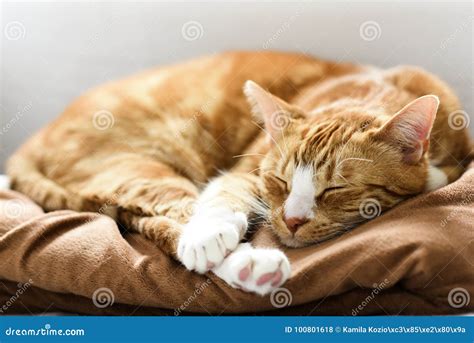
175	154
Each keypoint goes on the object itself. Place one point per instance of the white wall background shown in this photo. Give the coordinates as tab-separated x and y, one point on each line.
51	52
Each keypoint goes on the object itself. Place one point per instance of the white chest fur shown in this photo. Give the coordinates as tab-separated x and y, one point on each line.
436	179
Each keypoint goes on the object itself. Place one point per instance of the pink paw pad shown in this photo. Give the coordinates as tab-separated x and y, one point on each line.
277	278
265	278
274	278
244	273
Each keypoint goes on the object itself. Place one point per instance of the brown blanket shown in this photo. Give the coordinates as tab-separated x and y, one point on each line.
416	259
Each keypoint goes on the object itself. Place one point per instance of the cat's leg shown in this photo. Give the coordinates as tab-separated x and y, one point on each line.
141	186
145	196
219	220
162	230
255	270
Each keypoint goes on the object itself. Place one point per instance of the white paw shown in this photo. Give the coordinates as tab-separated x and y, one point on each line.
209	237
4	182
254	270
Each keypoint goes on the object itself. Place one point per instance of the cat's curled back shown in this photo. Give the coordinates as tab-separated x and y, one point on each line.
177	154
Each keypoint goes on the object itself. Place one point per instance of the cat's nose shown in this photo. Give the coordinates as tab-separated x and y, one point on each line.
293	223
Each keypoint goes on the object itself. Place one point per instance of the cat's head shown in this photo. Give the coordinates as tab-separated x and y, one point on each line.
325	174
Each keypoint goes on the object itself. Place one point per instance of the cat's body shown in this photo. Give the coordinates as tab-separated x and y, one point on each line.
144	150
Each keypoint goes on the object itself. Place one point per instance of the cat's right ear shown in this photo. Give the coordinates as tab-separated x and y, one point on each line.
277	114
409	129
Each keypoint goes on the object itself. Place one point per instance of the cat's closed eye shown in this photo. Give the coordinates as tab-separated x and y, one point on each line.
328	191
282	182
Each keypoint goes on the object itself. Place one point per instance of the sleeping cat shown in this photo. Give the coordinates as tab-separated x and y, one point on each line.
194	155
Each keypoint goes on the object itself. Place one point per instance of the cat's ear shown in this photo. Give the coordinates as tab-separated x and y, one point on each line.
276	114
410	128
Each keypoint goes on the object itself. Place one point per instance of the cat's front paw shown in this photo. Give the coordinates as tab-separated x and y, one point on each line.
254	270
209	237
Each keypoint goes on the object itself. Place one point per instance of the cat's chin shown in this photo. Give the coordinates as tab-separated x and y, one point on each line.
292	242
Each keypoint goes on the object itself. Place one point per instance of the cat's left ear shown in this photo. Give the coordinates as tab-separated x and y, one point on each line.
276	113
410	128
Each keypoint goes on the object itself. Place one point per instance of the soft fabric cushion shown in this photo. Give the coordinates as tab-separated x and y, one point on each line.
417	258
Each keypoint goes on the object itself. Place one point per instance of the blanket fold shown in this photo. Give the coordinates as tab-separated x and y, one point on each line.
417	258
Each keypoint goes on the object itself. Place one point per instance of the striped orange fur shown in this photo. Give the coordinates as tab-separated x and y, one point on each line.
173	129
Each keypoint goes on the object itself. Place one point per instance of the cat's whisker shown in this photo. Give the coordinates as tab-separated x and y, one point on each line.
342	177
253	170
353	159
245	155
342	149
284	140
268	135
